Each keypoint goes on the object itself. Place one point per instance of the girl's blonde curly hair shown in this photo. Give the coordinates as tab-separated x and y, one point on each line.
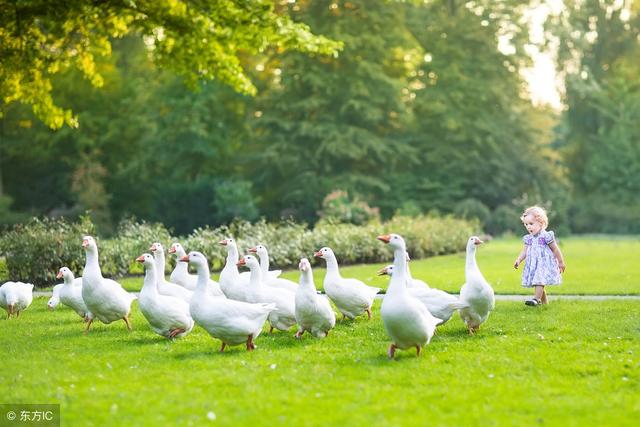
538	213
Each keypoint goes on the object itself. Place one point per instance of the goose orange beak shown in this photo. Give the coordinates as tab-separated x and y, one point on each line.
172	250
59	275
318	254
382	272
185	258
223	242
85	243
140	258
478	242
384	238
241	262
253	250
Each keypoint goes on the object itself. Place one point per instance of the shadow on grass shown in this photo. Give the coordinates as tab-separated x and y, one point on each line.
152	340
211	352
282	339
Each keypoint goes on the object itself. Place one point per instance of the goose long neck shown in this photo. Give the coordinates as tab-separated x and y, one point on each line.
181	267
68	279
159	261
398	282
264	263
408	272
150	283
306	281
255	278
92	266
232	254
332	267
230	269
471	260
202	283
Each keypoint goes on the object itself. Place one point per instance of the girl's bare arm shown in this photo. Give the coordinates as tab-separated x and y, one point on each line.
523	255
556	251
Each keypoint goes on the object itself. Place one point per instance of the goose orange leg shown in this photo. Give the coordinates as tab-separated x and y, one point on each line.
224	344
250	345
174	332
126	320
392	351
86	329
418	349
299	333
368	310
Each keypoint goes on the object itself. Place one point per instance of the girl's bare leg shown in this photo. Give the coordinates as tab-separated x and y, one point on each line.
544	296
540	293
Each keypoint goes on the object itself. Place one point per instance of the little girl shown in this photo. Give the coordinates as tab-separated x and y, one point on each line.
544	261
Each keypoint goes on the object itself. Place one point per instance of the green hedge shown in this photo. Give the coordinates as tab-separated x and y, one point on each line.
35	251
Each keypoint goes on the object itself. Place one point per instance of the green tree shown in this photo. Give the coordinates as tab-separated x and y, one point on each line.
598	55
199	40
472	134
334	123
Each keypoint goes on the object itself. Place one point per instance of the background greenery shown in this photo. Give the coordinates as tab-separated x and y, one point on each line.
602	265
34	252
405	106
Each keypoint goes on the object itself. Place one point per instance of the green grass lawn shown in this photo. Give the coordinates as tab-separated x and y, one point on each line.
595	265
572	363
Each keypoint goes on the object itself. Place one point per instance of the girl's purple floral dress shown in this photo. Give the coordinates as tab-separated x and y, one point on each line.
541	266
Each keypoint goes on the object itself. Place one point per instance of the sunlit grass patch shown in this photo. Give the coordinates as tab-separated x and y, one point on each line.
569	363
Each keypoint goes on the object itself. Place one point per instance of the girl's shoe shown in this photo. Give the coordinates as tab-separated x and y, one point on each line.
533	302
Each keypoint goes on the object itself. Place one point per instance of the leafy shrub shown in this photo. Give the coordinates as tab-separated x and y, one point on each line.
286	241
36	250
4	271
504	219
117	256
429	236
472	209
595	214
337	206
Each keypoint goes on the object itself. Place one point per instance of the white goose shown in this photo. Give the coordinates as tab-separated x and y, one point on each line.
407	321
15	297
271	277
181	276
232	322
313	311
105	298
439	303
70	293
180	273
476	293
168	316
164	287
233	284
284	316
411	282
55	297
351	296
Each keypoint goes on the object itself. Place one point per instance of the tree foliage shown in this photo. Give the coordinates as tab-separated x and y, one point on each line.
599	54
423	109
196	39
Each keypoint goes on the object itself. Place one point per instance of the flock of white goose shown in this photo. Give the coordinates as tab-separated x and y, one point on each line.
235	309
